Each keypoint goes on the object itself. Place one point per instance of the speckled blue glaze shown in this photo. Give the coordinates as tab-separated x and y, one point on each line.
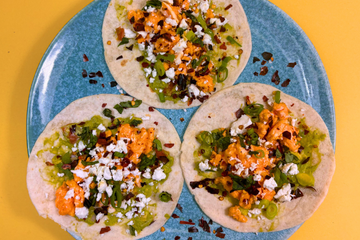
58	81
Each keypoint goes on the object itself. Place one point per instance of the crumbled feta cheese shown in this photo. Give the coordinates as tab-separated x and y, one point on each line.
60	174
253	166
107	174
154	73
131	223
109	190
207	39
101	127
236	56
150	9
147	71
255	211
293	122
185	99
243	121
123	204
166	80
151	184
193	89
94	132
284	194
290	168
141	46
170	73
129	33
81	146
151	57
204	6
239	168
99	216
183	24
151	80
218	21
80	173
121	146
119	215
102	186
170	21
159	174
270	184
129	214
199	32
81	212
69	194
204	165
86	186
257	177
147	174
180	46
143	34
117	175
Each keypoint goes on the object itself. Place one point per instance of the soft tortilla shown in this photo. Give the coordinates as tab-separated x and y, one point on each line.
221	108
127	71
42	193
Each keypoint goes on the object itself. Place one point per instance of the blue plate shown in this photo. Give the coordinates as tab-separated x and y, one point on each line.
58	81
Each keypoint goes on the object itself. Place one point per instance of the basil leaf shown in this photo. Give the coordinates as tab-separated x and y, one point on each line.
135	122
108	113
132	230
165	196
146	162
154	3
128	104
278	153
240	183
119	108
89	163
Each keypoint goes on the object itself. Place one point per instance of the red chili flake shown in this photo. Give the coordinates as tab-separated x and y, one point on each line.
169	145
264	70
275	78
175	216
185	222
49	164
66	166
285	83
247	99
113	84
220	235
287	134
84	73
144	64
105	229
204	225
190	238
217	39
99	74
151	109
291	64
104	105
178	206
292	105
256	59
228	7
222	29
177	238
209	116
219	229
223	46
192	229
266	55
190	220
102	85
256	73
224	193
156	123
265	99
85	58
239	113
91	81
263	62
119	57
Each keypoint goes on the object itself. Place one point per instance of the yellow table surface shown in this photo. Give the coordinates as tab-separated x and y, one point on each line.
28	27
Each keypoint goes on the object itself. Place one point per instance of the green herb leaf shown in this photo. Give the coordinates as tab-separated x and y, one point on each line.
157	144
165	196
132	230
119	154
124	40
128	104
119	108
159	67
277	97
180	31
192	17
232	41
278	153
146	161
154	3
254	109
108	113
240	183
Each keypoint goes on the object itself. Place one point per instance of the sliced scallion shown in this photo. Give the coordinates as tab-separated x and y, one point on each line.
277	97
233	41
161	97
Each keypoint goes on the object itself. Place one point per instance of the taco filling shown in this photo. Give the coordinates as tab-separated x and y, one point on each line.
263	159
185	47
108	169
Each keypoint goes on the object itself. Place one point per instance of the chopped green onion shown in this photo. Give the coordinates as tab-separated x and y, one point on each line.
128	104
305	179
124	40
165	196
277	97
161	97
255	153
254	109
201	21
190	35
210	32
119	154
132	230
192	17
168	57
264	203
108	113
232	41
271	211
89	163
224	72
159	68
157	144
180	31
153	3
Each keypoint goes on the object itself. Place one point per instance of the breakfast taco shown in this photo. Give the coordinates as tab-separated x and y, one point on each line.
257	159
175	53
107	166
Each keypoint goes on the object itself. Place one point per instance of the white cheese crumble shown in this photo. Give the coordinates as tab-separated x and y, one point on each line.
166	80
290	168
147	174
199	32
255	211
80	173
185	99
239	168
159	174
270	184
151	80
143	34
102	186
204	165
257	177
207	39
170	73
129	33
147	71
60	174
180	46
243	121
284	194
170	21
193	89
101	127
117	175
204	6
236	56
81	212
99	216
81	146
69	194
183	24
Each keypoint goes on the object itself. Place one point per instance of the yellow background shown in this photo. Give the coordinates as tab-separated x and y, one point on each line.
28	27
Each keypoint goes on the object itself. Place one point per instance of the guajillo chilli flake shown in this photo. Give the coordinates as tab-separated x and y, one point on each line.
182	45
264	158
